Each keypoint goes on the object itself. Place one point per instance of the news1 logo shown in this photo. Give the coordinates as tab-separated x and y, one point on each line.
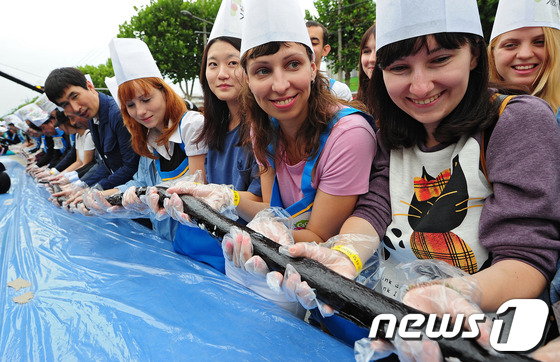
525	331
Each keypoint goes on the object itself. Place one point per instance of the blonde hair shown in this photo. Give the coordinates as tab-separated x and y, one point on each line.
547	83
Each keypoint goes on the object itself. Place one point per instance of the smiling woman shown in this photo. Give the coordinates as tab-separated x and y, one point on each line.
525	41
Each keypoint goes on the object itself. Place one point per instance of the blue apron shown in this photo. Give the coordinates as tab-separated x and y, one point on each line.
191	240
341	328
59	141
301	210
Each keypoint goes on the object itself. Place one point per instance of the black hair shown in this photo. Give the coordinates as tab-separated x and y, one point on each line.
216	111
5	182
474	113
311	23
61	118
62	78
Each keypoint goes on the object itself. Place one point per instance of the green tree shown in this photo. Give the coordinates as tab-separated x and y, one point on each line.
174	39
487	10
99	73
346	21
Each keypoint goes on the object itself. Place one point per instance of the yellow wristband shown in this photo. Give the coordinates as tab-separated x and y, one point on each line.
351	254
235	197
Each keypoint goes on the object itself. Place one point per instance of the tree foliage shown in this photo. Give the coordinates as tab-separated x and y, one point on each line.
487	10
99	73
174	39
351	18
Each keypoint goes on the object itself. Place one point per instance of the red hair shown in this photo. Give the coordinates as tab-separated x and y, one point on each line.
175	108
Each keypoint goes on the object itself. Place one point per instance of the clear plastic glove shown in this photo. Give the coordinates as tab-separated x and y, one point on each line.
549	352
438	288
218	197
274	223
75	196
132	202
151	199
174	208
94	201
290	283
42	175
59	179
366	350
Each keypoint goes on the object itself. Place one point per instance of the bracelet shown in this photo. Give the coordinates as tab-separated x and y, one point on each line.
235	198
351	254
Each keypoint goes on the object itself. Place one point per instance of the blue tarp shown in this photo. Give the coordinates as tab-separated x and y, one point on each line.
111	289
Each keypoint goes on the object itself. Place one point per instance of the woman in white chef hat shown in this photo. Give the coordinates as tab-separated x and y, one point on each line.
163	130
525	47
314	152
465	186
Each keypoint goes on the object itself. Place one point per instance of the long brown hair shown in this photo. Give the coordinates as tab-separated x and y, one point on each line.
474	113
363	80
259	130
175	108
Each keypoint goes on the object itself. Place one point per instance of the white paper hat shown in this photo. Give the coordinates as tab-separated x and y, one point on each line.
403	19
132	60
33	113
16	121
515	14
113	88
229	20
45	104
273	20
88	78
11	119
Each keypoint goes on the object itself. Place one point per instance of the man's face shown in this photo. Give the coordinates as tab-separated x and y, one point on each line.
78	122
79	101
48	128
321	50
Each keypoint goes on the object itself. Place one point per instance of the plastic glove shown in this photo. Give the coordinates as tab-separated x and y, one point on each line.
132	202
42	175
274	223
174	208
439	288
59	179
290	283
218	197
75	196
549	352
151	199
94	201
366	349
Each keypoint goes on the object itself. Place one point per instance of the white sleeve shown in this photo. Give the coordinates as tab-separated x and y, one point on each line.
191	126
88	141
342	91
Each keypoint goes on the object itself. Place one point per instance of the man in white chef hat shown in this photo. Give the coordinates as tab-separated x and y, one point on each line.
525	47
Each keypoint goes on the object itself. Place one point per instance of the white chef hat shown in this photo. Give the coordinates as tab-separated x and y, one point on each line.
229	19
33	113
45	104
273	20
515	14
403	19
132	60
111	83
88	78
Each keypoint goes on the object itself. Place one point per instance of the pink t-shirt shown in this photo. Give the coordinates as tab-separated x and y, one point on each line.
343	167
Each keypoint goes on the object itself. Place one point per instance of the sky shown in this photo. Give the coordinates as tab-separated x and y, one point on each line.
37	36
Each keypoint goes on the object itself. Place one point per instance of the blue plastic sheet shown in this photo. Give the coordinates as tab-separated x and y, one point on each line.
111	289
